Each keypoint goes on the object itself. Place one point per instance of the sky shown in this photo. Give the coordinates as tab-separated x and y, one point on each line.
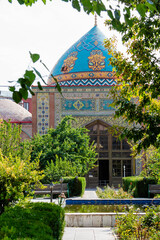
48	30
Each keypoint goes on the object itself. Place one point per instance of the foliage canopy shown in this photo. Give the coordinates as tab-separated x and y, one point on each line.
138	75
65	143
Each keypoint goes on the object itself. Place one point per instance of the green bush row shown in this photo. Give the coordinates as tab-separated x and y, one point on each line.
139	184
76	186
36	221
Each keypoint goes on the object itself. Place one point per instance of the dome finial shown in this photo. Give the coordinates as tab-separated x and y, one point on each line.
95	24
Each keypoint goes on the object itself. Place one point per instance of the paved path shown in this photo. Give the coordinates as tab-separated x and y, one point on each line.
90	194
71	233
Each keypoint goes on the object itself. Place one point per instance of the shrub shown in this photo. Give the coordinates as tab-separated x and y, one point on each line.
132	226
76	185
16	177
111	193
140	184
37	221
58	169
152	164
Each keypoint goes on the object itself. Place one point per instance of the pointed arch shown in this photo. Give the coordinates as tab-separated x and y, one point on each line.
114	156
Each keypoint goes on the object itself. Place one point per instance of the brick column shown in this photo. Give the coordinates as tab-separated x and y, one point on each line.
51	110
34	114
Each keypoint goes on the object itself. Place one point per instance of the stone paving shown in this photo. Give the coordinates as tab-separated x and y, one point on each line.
71	233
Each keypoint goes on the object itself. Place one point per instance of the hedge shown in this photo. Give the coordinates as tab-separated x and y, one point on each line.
139	183
76	185
36	221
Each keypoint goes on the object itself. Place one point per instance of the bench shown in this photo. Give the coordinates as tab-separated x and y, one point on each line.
56	189
153	188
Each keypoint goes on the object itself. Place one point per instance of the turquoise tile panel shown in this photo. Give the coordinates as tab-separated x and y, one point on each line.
78	105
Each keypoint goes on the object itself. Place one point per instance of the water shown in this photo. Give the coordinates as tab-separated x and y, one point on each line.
99	208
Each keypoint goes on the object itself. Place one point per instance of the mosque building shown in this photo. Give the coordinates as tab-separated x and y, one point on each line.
86	77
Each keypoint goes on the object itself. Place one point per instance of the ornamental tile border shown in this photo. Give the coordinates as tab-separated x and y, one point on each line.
72	89
42	113
83	75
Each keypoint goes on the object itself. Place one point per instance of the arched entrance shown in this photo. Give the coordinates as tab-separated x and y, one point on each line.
114	157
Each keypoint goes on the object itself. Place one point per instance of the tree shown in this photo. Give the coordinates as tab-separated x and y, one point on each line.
61	168
10	141
138	76
88	5
65	144
17	172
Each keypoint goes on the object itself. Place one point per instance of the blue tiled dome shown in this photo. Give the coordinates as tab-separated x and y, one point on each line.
85	63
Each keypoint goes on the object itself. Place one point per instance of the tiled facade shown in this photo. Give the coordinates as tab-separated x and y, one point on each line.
86	78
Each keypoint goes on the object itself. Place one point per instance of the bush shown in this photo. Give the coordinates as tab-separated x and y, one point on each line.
58	169
37	221
132	226
139	183
16	177
76	185
111	193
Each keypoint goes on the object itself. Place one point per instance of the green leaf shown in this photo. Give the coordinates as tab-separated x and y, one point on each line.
20	2
58	87
44	1
151	6
31	92
35	57
110	14
24	93
87	6
128	21
39	75
12	89
117	25
128	11
117	14
17	96
39	86
75	4
141	8
10	1
30	76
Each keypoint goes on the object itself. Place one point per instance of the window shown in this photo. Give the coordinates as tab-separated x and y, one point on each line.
26	105
121	168
116	168
98	134
116	144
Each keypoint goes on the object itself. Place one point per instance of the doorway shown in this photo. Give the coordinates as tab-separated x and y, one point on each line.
112	155
103	172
